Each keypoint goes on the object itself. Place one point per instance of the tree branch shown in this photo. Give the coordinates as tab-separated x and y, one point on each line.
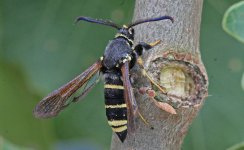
175	64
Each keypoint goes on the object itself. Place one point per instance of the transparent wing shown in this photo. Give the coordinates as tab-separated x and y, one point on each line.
88	87
56	101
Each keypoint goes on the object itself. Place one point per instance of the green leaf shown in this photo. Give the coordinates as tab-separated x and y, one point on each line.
233	21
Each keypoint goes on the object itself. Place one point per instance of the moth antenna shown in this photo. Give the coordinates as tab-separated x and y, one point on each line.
97	21
151	20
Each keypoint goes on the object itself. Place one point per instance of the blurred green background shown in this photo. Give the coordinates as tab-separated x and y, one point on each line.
41	49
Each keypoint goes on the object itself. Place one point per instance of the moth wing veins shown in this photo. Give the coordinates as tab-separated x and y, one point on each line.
51	105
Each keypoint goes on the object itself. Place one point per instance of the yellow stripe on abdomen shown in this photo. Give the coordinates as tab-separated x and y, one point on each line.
117	122
120	129
113	86
116	106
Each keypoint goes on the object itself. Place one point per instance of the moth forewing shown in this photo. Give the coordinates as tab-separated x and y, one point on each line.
56	101
130	101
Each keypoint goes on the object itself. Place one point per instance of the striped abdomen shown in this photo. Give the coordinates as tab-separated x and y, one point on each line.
116	110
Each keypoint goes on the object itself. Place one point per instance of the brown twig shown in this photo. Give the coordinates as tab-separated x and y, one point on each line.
175	64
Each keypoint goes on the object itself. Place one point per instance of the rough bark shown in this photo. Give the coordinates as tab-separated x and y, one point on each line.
179	53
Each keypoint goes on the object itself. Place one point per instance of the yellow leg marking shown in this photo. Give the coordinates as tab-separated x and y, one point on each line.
125	26
101	58
140	62
153	82
119	129
155	43
112	86
143	119
117	122
116	106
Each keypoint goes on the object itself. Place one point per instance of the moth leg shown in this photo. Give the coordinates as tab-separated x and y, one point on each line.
162	105
144	73
142	45
138	52
151	93
162	89
144	120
